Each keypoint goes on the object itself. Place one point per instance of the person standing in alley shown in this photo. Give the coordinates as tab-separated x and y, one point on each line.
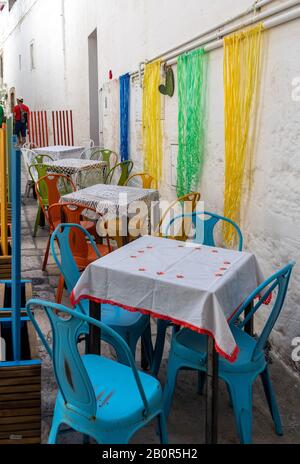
21	119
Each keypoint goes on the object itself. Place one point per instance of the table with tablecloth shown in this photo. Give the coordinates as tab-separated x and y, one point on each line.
75	167
58	152
111	201
193	286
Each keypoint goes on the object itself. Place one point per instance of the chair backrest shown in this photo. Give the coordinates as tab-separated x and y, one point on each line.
87	143
89	151
53	186
70	373
29	146
121	171
275	287
88	178
146	180
38	167
109	156
189	202
70	237
204	227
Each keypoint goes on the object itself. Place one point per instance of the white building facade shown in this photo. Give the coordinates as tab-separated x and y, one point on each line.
58	55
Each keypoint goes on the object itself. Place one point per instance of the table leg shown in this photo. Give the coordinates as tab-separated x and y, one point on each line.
212	387
94	344
249	327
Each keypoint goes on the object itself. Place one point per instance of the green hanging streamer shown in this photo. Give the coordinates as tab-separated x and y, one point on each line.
191	71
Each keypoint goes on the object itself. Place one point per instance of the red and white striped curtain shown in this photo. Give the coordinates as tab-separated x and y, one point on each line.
62	128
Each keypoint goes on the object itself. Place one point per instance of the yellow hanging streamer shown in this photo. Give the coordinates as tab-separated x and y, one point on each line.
152	130
242	59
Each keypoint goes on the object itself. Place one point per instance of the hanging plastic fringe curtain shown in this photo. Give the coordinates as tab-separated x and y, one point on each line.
152	130
191	71
124	116
242	60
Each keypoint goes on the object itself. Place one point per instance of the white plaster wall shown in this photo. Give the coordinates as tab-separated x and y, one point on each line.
130	31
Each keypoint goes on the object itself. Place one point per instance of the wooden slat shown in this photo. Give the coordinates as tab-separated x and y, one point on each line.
25	441
20	404
19	396
2	295
28	291
20	388
31	371
33	341
22	433
20	412
30	425
29	367
19	419
20	381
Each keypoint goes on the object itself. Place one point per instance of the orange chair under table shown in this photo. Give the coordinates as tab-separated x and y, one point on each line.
49	190
83	252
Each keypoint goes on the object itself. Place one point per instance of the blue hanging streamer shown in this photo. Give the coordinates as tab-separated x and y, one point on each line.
124	116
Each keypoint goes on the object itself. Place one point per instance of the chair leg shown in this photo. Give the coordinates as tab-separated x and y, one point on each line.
147	344
46	257
159	346
60	290
271	399
37	221
241	393
162	427
201	382
27	190
170	385
53	432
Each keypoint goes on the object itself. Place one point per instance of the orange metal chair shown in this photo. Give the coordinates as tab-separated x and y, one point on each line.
146	180
49	190
83	252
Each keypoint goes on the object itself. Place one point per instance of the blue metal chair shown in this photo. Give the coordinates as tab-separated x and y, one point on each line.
204	225
97	397
130	326
188	350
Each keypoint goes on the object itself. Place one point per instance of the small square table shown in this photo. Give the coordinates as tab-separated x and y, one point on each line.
196	287
111	201
73	167
60	151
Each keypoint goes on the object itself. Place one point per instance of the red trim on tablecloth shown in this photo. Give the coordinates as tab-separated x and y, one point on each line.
231	358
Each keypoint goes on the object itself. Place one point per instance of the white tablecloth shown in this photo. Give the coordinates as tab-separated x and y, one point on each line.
111	199
61	152
73	166
194	286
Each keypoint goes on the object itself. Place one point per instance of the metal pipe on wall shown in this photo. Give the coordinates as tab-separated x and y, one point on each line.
258	4
230	30
214	41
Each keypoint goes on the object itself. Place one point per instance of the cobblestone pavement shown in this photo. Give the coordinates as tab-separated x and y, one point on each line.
186	423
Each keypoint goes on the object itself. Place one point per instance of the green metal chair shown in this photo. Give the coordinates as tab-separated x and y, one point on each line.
109	156
37	171
122	171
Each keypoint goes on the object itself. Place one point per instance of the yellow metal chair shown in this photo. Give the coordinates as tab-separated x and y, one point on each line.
147	181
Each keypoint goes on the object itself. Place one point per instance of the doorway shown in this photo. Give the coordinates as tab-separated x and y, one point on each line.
93	87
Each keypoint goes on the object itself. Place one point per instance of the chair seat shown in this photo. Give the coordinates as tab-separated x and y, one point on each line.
118	399
114	316
246	344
